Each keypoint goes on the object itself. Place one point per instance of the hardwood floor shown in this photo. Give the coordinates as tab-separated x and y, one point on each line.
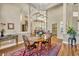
11	49
65	50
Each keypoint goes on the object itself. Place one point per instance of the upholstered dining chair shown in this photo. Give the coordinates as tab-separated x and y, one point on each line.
27	44
45	45
48	41
26	41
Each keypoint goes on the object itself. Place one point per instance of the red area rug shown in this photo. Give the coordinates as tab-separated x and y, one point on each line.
52	52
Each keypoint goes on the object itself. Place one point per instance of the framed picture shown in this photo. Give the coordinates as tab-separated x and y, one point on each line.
10	26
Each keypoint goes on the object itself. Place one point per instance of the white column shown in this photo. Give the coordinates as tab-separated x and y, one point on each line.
64	34
29	20
46	21
64	18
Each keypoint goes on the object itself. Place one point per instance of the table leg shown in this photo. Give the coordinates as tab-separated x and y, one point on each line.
17	40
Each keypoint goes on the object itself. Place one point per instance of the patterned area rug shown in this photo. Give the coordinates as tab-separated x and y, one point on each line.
52	52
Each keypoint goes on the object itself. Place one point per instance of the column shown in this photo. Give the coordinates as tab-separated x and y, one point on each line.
46	21
29	19
64	33
75	16
64	18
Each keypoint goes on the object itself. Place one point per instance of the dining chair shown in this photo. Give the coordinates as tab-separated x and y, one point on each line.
26	41
42	48
48	41
27	44
39	48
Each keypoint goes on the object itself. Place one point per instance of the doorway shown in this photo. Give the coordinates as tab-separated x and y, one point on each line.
54	29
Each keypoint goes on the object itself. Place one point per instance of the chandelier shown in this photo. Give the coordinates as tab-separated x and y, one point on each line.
40	14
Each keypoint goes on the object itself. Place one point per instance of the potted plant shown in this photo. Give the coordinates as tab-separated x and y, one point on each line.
71	32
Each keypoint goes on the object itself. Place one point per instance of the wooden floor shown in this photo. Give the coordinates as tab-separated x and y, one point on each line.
65	50
11	49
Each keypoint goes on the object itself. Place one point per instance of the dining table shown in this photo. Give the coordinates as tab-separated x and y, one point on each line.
36	39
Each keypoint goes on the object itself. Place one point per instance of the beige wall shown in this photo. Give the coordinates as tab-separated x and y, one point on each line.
55	15
10	14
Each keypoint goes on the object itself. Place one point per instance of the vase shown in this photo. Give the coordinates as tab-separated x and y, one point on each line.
71	36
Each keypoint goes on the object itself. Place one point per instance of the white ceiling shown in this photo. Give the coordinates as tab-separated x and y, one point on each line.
43	6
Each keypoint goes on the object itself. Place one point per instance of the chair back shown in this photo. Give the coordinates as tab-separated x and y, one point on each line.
49	41
26	41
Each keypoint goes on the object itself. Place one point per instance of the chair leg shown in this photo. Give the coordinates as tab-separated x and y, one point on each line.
24	52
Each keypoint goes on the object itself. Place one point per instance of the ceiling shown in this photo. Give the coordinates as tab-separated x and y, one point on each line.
43	6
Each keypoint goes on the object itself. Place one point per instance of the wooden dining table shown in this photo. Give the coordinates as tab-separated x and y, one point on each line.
36	39
40	40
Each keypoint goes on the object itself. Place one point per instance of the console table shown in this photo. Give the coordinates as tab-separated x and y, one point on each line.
9	41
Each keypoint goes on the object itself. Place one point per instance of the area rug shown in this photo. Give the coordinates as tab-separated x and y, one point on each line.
52	52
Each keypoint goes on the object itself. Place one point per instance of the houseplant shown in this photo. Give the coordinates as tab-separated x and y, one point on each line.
71	32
